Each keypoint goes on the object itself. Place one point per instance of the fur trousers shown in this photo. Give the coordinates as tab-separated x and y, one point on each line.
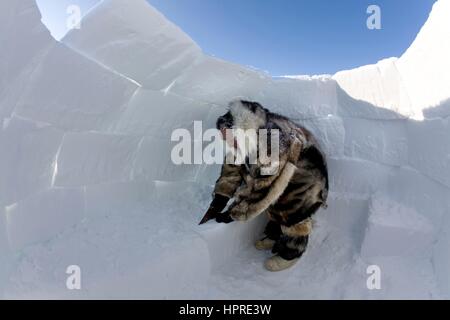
290	243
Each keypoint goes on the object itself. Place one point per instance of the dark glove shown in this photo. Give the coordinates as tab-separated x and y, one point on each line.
219	202
224	218
217	205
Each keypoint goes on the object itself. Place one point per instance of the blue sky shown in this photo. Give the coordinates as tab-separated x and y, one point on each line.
283	36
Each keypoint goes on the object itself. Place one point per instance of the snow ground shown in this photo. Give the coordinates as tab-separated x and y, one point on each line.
86	177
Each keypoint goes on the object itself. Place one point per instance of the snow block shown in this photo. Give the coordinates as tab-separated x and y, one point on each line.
5	253
329	132
216	81
208	174
353	108
429	148
90	158
24	41
300	98
414	82
136	41
357	178
23	20
441	254
214	113
4	244
414	189
440	111
180	271
379	84
184	201
156	114
238	236
43	215
107	199
379	141
347	215
196	194
405	277
28	152
425	66
86	93
396	230
118	271
153	162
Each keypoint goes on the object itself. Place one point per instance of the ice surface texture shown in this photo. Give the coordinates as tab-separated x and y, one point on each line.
86	176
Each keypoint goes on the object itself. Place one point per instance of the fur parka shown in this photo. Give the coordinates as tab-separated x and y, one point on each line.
292	194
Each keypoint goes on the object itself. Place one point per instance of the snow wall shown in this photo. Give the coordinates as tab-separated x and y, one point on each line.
86	177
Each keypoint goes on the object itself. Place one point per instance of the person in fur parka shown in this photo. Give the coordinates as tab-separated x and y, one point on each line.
296	188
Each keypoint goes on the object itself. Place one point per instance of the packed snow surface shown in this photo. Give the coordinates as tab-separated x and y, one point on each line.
86	177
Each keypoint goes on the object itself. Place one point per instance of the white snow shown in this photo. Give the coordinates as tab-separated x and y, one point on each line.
396	230
86	176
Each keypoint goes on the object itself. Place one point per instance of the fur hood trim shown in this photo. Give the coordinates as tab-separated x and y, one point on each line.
245	118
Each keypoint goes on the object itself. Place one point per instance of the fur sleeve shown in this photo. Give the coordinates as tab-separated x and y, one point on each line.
230	179
245	211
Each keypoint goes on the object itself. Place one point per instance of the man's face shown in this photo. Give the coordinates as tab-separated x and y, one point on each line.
224	124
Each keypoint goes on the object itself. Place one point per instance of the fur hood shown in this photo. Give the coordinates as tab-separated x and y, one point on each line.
248	115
